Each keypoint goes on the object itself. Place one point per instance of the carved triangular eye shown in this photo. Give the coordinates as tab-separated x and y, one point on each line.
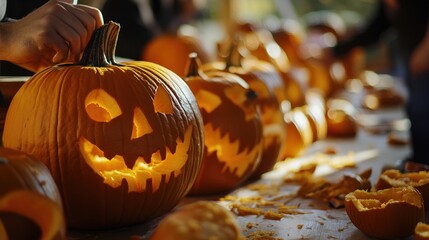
101	107
162	101
207	100
141	125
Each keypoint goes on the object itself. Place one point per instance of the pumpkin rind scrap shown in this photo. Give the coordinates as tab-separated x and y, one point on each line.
45	212
386	214
123	142
394	178
19	173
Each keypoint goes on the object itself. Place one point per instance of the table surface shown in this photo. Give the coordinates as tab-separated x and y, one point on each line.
307	218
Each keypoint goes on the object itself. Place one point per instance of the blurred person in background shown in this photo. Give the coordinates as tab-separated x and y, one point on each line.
409	19
142	20
35	34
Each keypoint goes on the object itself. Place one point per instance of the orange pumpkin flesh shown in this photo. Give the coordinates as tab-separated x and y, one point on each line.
394	178
233	129
421	232
386	214
112	135
198	221
43	211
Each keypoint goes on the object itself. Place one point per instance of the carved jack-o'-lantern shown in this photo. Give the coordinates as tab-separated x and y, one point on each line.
123	142
233	129
265	81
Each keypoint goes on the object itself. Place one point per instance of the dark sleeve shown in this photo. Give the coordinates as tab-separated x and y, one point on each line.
368	35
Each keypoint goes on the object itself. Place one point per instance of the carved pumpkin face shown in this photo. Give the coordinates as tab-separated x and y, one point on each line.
128	135
126	161
264	82
233	131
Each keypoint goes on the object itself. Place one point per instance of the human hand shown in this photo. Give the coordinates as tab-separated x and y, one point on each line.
56	32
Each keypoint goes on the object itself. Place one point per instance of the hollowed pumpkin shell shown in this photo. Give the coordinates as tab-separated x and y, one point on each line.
386	214
394	178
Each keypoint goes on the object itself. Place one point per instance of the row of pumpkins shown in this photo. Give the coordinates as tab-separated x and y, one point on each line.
124	143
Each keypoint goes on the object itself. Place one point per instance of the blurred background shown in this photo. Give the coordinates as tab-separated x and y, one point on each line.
212	19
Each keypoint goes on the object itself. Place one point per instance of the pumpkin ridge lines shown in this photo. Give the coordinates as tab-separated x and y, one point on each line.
175	87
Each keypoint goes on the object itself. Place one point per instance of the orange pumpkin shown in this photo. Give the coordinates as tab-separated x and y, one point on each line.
199	220
299	134
391	213
316	117
28	197
233	129
340	117
112	135
262	78
171	51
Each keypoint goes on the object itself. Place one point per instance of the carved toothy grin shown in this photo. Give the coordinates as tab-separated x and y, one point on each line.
114	170
228	152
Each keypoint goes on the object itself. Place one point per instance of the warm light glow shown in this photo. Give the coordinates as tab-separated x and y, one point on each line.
372	102
101	107
162	101
338	72
207	100
227	151
337	115
114	171
273	50
141	125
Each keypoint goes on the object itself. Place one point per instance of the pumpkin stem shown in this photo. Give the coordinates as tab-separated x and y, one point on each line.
100	50
234	57
194	67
